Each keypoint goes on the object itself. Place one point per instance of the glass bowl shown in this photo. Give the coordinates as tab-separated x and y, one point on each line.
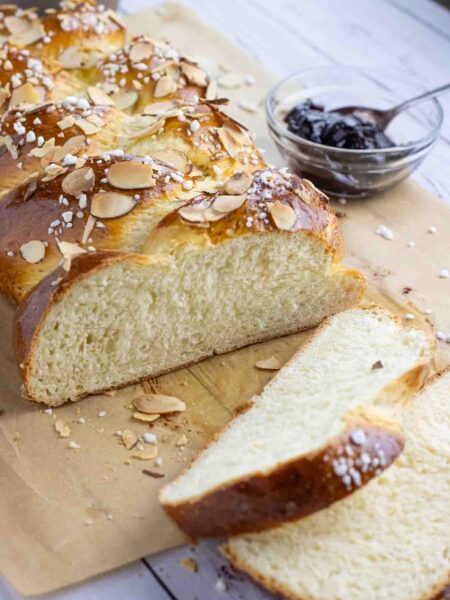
354	173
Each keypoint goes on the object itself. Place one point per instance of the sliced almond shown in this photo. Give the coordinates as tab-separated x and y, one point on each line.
181	441
47	148
269	364
79	181
30	35
140	416
238	183
96	120
140	51
174	158
111	205
125	100
283	215
190	564
99	97
24	94
159	108
90	224
62	428
211	90
226	204
164	87
73	145
228	141
87	127
33	251
129	438
212	215
148	454
230	80
192	214
16	24
159	404
66	122
72	57
70	250
52	171
130	175
194	74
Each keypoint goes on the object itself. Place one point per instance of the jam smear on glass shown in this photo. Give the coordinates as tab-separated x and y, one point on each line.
312	122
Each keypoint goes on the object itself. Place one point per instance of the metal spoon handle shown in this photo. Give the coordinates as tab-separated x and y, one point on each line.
429	94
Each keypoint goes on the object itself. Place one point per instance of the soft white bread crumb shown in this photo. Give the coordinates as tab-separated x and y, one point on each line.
389	541
135	318
313	400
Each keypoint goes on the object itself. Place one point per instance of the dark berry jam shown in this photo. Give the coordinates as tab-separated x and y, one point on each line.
312	122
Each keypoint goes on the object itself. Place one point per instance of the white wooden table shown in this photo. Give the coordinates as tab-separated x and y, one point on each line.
287	35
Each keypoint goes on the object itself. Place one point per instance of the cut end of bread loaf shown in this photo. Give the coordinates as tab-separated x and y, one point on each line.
115	319
390	540
324	427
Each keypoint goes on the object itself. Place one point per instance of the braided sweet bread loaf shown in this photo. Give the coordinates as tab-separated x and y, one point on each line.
123	172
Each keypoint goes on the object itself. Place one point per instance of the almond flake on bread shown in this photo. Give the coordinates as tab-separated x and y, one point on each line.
389	541
321	429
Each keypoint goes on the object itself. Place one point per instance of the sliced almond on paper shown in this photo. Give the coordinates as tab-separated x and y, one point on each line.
125	99
129	175
164	86
190	564
24	94
99	97
62	428
174	158
33	251
140	416
90	224
269	364
238	183
111	205
226	204
140	51
129	438
194	74
79	181
192	214
158	404
148	454
230	80
30	35
283	215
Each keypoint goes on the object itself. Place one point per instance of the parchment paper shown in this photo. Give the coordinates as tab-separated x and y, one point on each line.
66	515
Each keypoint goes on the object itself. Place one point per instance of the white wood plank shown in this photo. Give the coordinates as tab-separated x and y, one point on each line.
435	16
214	580
134	582
287	36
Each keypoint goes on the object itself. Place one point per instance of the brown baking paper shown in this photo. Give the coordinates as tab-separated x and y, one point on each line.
68	514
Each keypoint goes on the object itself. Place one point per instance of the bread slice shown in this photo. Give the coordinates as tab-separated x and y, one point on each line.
390	540
206	287
316	433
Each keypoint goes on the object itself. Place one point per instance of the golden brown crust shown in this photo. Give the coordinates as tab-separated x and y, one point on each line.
295	489
151	71
25	133
82	24
40	210
215	144
311	214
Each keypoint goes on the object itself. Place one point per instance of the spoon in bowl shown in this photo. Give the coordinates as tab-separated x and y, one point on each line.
382	118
